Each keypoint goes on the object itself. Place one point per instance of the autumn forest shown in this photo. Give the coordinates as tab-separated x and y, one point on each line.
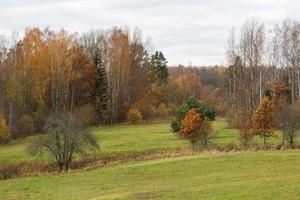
99	75
106	103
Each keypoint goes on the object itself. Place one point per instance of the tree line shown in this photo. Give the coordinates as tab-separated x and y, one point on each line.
262	82
99	74
104	76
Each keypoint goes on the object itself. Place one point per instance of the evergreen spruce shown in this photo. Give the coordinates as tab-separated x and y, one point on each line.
100	96
159	69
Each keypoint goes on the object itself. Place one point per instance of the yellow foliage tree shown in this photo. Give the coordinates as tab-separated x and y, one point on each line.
4	131
134	115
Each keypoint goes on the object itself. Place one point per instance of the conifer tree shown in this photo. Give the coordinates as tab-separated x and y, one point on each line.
100	96
159	69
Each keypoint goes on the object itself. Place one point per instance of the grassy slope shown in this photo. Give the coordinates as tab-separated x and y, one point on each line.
248	175
225	136
121	139
137	138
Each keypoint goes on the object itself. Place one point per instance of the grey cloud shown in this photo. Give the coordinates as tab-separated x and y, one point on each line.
186	31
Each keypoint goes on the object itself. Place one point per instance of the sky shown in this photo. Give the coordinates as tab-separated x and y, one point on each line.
187	31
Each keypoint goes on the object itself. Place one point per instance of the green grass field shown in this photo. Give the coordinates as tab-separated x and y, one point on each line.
123	139
246	175
242	175
119	139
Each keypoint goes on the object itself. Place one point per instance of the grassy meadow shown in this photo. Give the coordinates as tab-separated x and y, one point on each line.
240	175
125	138
244	175
118	139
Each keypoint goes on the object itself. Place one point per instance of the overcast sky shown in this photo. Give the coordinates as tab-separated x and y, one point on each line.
187	31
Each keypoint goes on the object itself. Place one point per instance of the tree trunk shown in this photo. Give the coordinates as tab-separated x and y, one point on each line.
298	81
260	84
72	98
10	118
291	136
283	137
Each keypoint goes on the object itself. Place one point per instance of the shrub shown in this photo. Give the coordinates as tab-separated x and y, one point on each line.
205	132
287	119
134	115
4	131
190	126
145	107
65	140
204	111
196	129
175	125
246	134
24	126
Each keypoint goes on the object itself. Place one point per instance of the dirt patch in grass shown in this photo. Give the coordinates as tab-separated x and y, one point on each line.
33	168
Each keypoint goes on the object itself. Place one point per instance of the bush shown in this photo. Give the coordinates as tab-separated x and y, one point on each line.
246	134
134	115
196	129
175	125
190	126
24	126
145	107
4	131
65	139
204	111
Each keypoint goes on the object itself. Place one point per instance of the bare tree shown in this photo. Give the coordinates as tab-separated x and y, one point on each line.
274	57
231	61
290	52
3	54
287	120
64	140
251	51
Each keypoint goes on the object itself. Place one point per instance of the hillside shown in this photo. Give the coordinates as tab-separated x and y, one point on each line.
248	175
124	139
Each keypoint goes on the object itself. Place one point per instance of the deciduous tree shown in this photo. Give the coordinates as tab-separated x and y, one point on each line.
134	115
4	131
263	120
65	139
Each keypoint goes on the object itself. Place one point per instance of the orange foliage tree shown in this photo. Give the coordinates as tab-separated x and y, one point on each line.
263	124
196	129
